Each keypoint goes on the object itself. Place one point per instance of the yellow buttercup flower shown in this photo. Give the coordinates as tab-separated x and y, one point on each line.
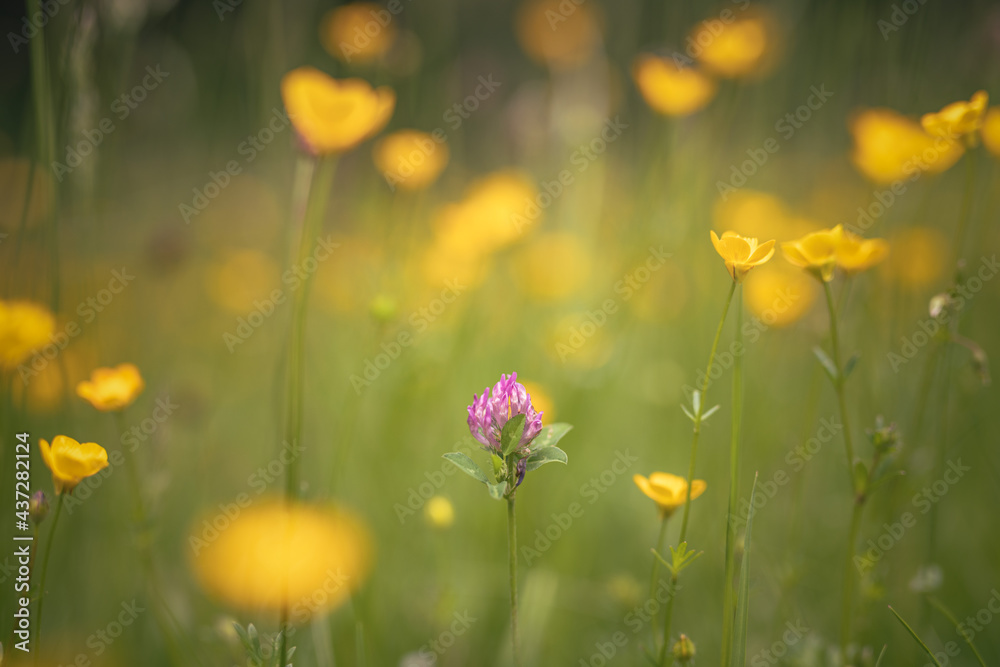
731	49
279	554
889	147
111	389
991	131
24	328
815	252
71	462
410	159
439	512
334	115
855	254
668	491
556	34
958	120
357	32
671	90
741	253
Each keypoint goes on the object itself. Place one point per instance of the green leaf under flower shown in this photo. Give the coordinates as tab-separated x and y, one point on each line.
550	436
467	465
547	455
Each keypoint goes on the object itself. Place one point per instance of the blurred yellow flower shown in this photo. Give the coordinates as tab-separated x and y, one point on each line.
439	512
334	115
958	120
241	278
541	401
71	462
889	147
357	32
779	294
815	252
111	389
410	159
553	266
919	256
731	49
740	253
991	131
671	90
557	33
24	327
752	213
497	210
668	491
278	554
855	254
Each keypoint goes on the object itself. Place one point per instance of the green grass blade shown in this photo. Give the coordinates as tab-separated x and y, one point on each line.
915	636
738	653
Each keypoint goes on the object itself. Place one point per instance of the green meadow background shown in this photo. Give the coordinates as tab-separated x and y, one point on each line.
376	445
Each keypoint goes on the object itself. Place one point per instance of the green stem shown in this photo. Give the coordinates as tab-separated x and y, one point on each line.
728	605
659	550
700	410
668	616
44	571
311	192
962	228
848	599
838	384
512	547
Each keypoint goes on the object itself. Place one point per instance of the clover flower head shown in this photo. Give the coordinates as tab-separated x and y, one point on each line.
489	412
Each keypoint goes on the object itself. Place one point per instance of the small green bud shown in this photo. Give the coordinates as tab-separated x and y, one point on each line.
684	650
383	308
